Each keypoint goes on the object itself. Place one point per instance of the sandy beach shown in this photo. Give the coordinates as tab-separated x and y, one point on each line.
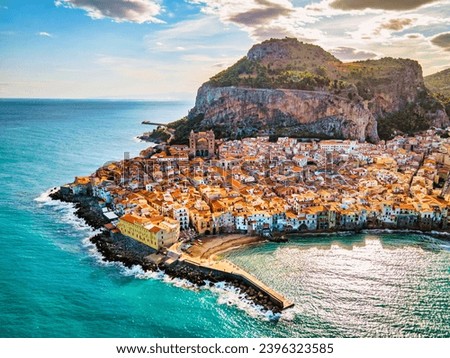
210	247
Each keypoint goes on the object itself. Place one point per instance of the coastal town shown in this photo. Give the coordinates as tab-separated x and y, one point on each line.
178	208
264	187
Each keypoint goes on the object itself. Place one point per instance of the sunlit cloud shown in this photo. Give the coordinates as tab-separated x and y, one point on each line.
139	11
379	4
44	34
396	24
263	19
351	54
383	28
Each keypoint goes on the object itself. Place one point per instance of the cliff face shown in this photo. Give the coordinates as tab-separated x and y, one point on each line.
396	88
236	111
288	88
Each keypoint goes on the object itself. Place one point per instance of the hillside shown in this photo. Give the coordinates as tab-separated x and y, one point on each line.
289	88
439	85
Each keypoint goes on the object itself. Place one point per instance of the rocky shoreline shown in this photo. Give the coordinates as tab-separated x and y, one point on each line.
86	206
119	248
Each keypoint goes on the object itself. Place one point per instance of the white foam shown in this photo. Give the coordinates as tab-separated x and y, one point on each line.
232	296
45	196
440	233
66	212
135	270
289	314
93	252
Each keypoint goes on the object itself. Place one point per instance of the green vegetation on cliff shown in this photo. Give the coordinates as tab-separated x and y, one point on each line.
439	84
407	121
294	65
183	128
290	64
247	73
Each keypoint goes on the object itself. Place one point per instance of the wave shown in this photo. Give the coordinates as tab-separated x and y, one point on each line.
232	296
137	139
45	196
66	212
94	253
440	233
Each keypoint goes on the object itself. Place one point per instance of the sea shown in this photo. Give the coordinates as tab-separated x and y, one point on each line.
55	284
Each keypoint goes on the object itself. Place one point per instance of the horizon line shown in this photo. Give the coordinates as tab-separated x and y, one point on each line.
100	99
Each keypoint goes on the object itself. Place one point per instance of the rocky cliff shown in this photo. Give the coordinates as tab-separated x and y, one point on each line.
241	112
288	88
439	84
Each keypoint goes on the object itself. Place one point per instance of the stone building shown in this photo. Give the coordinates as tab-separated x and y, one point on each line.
201	144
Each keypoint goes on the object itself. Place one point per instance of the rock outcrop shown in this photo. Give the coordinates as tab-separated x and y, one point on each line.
236	111
289	88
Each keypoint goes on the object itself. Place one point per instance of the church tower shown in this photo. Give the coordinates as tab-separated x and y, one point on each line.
202	144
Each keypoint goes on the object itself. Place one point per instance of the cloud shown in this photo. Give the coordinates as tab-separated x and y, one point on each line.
442	40
200	34
263	19
379	4
198	47
384	28
139	11
260	15
45	34
349	53
200	58
396	24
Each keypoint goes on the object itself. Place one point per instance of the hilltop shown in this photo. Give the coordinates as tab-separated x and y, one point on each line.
284	87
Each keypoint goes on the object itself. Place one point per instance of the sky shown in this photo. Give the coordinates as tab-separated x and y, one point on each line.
165	49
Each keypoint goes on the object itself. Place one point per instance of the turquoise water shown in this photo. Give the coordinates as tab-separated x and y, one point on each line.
54	285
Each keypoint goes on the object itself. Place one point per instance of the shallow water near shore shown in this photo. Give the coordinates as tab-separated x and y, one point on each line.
361	285
55	285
